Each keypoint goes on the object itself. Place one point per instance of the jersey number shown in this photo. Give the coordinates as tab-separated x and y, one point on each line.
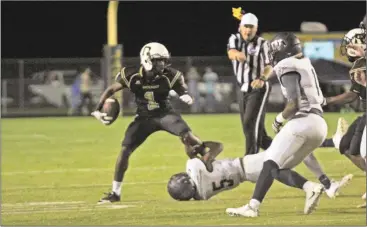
149	95
222	184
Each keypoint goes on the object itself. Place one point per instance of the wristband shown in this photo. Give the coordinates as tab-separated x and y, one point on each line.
280	118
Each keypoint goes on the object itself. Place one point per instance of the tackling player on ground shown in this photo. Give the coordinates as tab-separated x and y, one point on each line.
151	82
200	184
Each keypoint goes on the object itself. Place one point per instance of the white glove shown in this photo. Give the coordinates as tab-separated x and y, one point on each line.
187	99
278	123
100	116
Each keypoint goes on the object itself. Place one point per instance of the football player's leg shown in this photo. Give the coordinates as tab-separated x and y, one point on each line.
174	124
292	144
314	166
355	143
341	129
353	151
135	135
347	138
137	132
284	145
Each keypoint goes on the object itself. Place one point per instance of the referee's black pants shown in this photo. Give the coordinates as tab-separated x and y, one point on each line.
252	111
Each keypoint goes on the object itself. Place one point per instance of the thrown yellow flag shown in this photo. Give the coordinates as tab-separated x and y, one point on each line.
237	13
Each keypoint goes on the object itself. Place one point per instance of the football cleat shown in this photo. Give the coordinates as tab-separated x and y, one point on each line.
245	211
313	197
340	131
335	186
364	204
110	197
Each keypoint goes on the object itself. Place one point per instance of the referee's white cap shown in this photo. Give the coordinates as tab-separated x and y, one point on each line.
250	19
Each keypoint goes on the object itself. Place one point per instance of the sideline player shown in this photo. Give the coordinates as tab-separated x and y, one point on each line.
151	82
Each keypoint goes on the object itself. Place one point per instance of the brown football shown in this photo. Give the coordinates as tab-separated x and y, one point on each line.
112	108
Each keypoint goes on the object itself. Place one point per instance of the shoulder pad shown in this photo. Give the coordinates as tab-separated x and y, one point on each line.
286	65
172	75
127	73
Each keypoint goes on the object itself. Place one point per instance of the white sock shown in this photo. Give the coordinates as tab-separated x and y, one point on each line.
307	186
254	203
116	187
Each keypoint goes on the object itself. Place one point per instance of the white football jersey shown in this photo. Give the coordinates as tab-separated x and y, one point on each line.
311	94
227	174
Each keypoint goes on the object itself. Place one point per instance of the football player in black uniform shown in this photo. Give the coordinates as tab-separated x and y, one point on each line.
151	83
349	144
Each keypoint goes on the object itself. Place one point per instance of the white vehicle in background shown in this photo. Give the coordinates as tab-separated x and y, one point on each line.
55	87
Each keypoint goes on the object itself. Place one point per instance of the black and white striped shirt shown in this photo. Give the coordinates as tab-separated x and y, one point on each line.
257	57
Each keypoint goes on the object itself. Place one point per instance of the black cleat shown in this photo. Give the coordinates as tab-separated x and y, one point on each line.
110	197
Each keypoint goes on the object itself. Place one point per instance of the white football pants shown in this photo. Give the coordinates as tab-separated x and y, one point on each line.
296	140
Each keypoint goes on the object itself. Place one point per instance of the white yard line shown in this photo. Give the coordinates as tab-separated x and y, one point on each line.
82	170
52	207
80	185
40	203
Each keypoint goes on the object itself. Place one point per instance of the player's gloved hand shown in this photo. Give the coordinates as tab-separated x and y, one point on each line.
186	99
99	116
278	123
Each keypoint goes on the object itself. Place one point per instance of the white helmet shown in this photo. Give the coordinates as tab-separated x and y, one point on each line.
152	51
354	36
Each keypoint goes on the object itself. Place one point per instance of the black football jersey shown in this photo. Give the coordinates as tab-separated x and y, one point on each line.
360	90
152	95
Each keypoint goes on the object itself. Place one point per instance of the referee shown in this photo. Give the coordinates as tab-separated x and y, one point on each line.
249	55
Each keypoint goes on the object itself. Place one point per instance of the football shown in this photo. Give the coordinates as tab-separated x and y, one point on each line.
112	108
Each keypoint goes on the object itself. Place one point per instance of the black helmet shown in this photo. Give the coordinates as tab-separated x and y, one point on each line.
181	187
284	45
354	36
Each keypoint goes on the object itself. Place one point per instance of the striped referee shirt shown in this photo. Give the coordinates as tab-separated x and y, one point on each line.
257	57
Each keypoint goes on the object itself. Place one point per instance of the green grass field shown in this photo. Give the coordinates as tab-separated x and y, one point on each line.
55	169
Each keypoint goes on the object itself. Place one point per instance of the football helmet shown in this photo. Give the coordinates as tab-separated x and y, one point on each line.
153	53
363	24
181	187
284	45
354	36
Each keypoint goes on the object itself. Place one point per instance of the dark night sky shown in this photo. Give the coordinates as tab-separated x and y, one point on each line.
78	29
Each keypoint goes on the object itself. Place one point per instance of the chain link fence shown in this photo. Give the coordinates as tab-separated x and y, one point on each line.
51	87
